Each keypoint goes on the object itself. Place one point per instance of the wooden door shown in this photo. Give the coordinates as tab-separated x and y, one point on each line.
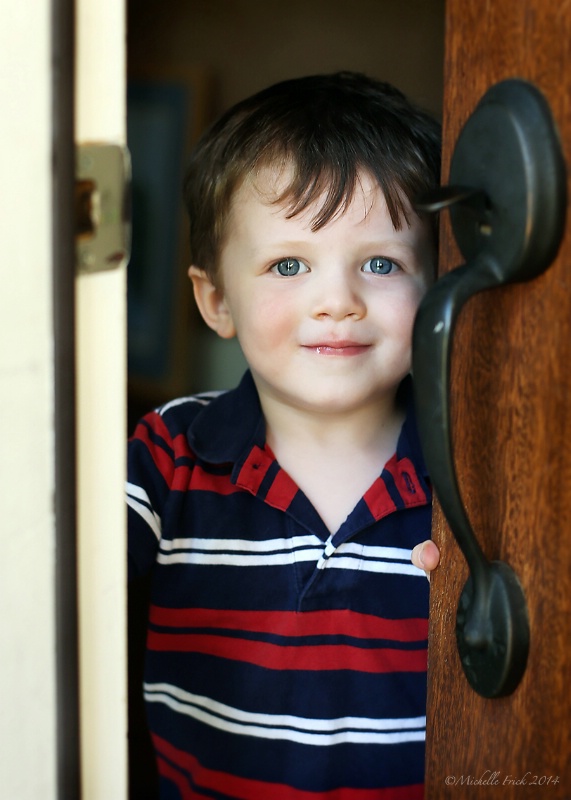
511	409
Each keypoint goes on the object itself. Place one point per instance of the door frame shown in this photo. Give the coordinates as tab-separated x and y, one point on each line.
101	424
66	586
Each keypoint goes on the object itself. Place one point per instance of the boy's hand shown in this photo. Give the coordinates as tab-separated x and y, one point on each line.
426	556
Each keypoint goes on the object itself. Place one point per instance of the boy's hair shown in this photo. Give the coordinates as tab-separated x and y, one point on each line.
328	128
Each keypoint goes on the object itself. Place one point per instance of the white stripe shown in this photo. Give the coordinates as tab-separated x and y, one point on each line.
136	491
329	548
203	399
144	509
370	551
388	560
319	732
281	552
235	560
244	545
364	565
294	543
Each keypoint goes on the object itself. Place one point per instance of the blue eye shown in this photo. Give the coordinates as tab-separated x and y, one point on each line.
289	266
378	265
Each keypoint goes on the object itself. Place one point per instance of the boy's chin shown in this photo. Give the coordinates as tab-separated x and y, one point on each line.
331	400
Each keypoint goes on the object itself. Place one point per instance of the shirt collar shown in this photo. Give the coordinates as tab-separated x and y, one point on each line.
226	430
229	426
408	445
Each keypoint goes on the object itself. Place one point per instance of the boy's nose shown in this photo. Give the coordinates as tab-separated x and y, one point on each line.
337	298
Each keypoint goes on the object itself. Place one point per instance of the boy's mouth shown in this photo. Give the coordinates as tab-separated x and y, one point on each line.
340	348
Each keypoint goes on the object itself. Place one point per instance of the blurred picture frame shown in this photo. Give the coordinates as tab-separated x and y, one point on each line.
167	110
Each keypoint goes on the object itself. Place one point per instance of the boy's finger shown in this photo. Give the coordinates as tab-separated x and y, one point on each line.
426	556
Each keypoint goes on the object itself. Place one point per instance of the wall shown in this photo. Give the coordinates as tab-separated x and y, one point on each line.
27	593
245	45
249	44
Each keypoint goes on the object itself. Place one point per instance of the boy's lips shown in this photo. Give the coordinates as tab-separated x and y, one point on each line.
338	348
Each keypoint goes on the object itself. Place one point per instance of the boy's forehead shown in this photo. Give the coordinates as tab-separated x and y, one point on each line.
270	181
272	186
262	196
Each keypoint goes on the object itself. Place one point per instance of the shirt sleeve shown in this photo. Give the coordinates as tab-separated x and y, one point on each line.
150	469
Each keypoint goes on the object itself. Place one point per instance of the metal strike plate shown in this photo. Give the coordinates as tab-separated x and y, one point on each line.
102	207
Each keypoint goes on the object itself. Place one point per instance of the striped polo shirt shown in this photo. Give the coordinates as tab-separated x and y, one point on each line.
283	662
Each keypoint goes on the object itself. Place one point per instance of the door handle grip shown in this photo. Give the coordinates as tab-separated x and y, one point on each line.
507	201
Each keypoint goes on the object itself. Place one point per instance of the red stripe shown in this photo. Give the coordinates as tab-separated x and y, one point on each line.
205	481
254	470
181	478
234	786
302	657
291	623
180	781
407	482
155	421
282	491
164	462
378	500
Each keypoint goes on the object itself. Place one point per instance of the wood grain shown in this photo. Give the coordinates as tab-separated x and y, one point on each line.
512	427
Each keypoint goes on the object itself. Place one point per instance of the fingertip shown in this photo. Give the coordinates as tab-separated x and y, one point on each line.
431	555
421	554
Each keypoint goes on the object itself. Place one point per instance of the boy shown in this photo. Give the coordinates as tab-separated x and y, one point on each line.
286	654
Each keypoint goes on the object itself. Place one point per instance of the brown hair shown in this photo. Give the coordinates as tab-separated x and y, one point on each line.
328	128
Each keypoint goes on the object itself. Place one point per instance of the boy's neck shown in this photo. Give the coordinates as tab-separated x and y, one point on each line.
333	458
359	430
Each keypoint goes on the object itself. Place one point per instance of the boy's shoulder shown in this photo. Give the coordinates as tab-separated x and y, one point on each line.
172	419
176	418
181	411
216	425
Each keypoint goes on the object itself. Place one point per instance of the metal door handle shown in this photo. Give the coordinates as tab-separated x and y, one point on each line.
507	202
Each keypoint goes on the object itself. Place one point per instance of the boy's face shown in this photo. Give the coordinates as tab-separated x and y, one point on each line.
324	317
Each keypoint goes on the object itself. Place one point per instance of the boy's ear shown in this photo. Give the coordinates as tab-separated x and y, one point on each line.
211	304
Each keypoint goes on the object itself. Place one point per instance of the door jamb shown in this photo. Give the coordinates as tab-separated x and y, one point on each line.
63	260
